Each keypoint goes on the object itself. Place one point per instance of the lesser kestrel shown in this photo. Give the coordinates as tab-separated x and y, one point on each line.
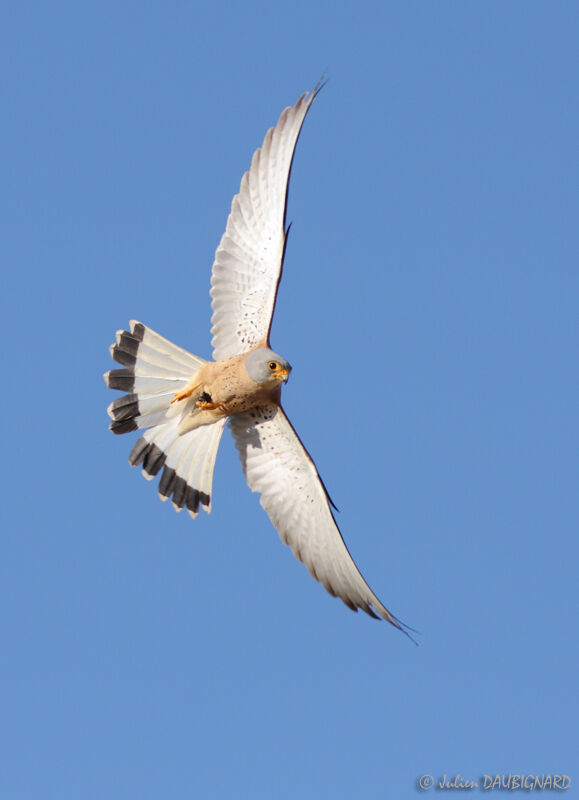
182	402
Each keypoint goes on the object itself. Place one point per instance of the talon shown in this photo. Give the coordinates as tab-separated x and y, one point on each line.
209	405
206	405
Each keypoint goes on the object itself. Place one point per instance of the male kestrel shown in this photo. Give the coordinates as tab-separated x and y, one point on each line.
182	402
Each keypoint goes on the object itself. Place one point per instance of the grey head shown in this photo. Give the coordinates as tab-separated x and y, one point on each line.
267	368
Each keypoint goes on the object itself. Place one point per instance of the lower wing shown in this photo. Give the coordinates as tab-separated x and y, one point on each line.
277	465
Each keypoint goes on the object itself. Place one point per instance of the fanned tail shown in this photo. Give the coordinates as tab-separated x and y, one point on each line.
154	369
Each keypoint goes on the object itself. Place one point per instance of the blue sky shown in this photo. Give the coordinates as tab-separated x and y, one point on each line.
427	307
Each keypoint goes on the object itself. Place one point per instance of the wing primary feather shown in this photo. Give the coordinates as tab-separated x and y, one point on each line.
277	465
251	252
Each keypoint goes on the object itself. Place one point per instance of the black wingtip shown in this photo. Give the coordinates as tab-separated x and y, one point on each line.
405	629
321	83
394	621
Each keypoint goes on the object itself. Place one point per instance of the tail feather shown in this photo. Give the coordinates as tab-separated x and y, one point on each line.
133	411
123	407
157	342
153	370
143	363
149	455
207	463
126	381
187	461
127	346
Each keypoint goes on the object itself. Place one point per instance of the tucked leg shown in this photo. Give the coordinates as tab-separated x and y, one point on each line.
186	392
209	405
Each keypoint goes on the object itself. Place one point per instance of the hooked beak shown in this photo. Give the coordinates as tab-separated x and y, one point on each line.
281	375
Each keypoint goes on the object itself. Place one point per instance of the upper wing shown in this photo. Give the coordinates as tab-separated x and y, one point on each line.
277	465
248	261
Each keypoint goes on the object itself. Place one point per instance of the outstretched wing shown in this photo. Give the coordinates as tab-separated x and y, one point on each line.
248	262
277	465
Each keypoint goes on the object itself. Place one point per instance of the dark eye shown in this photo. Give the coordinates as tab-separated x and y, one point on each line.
272	365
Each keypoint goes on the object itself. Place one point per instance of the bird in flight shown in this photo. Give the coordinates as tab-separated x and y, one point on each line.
182	402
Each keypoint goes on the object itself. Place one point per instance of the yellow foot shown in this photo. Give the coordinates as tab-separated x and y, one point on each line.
208	405
184	393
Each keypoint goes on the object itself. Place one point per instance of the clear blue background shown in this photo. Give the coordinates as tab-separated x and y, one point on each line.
428	308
